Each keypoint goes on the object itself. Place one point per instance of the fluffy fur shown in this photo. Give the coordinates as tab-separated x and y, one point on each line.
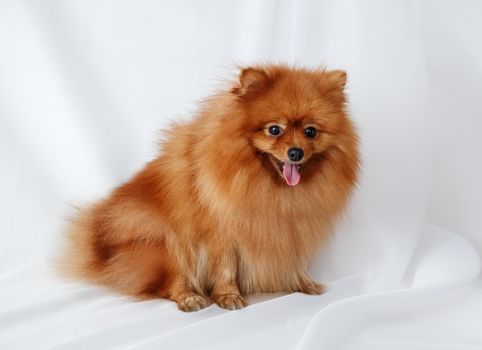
213	218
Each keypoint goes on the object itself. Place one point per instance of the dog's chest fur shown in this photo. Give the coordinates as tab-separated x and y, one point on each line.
271	247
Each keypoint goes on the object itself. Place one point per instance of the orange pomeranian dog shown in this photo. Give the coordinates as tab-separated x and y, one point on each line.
237	202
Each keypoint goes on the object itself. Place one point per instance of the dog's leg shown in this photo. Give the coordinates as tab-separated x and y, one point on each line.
308	286
188	290
225	291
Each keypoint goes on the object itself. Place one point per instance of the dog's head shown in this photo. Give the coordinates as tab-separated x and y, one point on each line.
294	117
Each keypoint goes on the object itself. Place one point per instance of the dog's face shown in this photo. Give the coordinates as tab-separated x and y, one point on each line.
293	117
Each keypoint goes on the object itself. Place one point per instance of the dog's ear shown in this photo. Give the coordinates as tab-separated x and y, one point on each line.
333	84
251	81
337	78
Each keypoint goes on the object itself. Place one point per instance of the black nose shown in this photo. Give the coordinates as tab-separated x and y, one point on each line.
295	154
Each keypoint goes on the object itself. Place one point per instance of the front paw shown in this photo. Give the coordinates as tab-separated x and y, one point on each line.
192	302
230	301
311	287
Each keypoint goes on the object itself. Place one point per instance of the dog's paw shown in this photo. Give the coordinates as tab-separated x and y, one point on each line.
230	301
192	302
311	287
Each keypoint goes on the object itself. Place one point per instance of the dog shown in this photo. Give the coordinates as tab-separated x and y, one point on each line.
238	200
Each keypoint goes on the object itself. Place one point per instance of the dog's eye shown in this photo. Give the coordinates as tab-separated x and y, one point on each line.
275	130
310	132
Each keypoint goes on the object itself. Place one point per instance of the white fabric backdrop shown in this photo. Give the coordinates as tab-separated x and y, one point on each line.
84	85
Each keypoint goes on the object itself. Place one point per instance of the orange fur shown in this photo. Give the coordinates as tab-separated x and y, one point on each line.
212	219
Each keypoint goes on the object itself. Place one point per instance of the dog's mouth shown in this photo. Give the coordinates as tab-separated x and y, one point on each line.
290	172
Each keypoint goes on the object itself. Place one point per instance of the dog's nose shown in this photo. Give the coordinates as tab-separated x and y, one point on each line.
295	154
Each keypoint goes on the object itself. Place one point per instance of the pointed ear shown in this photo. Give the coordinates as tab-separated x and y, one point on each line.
337	78
333	85
251	80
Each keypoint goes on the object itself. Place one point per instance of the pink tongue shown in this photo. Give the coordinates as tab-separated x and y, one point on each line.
291	174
